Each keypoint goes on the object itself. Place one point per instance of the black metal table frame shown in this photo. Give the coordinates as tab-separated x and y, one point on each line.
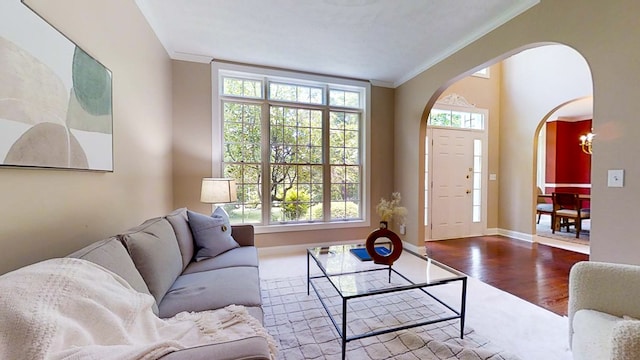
459	314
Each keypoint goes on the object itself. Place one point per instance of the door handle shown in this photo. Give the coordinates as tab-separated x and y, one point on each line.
468	191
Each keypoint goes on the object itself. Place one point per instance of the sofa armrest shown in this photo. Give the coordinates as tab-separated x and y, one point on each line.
253	348
605	287
243	234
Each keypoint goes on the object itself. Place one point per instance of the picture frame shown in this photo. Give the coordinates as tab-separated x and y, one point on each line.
55	98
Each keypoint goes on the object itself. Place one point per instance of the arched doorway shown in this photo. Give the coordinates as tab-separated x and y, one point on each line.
562	165
528	84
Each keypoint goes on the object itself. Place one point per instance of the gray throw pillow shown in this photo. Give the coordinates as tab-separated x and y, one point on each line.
212	234
220	213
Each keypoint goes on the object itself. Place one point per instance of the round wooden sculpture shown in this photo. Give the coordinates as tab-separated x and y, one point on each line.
396	246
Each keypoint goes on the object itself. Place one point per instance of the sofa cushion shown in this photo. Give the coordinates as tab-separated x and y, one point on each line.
241	256
251	348
154	249
257	312
112	255
180	223
210	290
212	235
592	334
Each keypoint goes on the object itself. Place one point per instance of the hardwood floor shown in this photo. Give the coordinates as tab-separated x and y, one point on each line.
534	272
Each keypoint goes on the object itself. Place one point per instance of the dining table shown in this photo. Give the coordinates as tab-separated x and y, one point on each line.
582	197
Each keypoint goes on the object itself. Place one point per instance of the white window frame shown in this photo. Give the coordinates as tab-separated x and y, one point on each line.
218	68
483	73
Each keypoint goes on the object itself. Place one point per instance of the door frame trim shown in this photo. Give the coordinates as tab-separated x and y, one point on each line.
485	164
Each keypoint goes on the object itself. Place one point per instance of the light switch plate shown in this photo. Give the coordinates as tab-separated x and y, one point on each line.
615	178
493	176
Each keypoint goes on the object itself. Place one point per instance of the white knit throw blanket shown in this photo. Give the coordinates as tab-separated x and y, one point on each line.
73	309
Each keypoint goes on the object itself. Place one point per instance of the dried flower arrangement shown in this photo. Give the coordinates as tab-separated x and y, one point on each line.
390	209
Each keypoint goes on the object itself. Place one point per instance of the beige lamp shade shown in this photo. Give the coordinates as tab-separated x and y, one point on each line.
218	191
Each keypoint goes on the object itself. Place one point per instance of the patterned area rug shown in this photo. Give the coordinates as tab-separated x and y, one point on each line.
304	331
544	229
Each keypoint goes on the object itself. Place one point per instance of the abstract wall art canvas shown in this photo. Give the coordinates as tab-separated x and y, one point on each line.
55	99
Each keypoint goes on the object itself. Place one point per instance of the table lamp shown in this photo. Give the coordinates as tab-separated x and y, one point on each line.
218	191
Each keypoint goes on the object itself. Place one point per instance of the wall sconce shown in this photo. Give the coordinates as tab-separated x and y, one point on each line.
585	142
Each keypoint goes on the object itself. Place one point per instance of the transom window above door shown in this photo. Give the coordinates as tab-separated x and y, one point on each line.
454	111
456	119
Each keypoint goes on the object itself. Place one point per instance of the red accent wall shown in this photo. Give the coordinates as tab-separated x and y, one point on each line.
566	163
552	136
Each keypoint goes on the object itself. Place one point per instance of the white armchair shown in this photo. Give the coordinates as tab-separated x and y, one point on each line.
604	303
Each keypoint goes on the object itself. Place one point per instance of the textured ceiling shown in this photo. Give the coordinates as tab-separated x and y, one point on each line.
386	41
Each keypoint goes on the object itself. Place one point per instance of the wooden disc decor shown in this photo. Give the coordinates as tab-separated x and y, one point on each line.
396	246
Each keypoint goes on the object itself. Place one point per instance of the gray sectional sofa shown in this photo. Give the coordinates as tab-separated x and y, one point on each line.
156	258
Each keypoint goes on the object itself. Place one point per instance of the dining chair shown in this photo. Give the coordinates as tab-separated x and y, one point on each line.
567	212
543	207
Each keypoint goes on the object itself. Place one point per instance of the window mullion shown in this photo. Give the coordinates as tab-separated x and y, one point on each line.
265	147
326	156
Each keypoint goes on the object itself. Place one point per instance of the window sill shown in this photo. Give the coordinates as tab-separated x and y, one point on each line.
279	228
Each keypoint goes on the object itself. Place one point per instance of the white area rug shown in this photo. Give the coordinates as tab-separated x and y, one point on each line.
304	331
510	323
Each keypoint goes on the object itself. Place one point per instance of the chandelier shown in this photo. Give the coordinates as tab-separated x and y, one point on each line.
585	142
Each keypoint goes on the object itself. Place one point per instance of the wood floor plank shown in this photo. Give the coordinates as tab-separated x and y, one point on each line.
534	272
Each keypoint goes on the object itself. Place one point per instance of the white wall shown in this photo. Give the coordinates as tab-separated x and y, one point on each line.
534	83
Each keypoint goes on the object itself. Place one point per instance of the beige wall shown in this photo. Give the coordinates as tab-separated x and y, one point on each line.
51	213
48	213
484	93
534	83
192	152
191	133
602	32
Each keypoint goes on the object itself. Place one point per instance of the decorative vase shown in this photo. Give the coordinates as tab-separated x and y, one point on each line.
396	245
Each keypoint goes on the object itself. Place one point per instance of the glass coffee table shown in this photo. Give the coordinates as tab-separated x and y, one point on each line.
364	299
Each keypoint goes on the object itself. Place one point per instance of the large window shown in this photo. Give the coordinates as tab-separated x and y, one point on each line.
294	146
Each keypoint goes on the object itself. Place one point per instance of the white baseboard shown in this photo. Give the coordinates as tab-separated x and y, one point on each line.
516	235
493	231
420	250
302	248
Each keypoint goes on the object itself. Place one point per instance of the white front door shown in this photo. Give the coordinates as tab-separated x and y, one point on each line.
456	183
